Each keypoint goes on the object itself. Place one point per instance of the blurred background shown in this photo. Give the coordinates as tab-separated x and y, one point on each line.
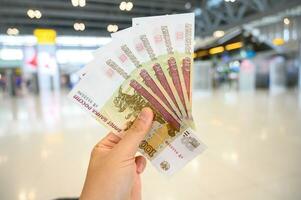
247	97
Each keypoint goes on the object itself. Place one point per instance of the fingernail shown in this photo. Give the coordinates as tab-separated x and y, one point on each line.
145	114
141	167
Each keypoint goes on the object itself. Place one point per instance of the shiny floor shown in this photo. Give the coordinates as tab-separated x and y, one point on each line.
254	149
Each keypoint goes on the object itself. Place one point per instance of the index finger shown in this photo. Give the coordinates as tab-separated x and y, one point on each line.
108	142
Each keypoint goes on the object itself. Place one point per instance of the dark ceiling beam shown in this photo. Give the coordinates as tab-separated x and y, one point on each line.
172	5
261	4
56	22
90	7
230	12
97	14
80	14
241	12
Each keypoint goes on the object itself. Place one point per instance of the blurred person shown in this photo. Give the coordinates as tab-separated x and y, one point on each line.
114	170
3	83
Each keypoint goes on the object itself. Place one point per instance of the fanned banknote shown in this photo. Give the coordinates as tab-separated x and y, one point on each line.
169	145
181	34
118	52
132	47
156	62
146	66
130	58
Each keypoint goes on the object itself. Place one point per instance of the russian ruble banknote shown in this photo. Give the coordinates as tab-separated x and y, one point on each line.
145	66
134	47
169	145
118	51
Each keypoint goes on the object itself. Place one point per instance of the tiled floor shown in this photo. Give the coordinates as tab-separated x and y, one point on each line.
254	149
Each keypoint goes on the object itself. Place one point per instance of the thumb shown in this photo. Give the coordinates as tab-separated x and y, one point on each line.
133	136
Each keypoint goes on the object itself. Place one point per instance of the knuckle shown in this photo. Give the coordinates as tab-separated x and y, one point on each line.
95	151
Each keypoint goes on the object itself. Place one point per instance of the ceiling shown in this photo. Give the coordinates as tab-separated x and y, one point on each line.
98	14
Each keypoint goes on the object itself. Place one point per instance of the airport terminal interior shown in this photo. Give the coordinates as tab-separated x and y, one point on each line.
246	97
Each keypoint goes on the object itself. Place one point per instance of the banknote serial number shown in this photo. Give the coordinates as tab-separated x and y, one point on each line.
174	149
86	98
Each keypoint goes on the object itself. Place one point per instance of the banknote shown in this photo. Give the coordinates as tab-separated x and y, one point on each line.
119	51
138	52
128	55
109	60
129	58
181	34
145	52
134	48
161	38
169	145
146	49
158	59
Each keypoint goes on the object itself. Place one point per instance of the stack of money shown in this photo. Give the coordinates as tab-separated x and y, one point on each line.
147	65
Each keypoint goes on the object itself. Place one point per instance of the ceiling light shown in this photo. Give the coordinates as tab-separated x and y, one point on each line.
12	31
218	33
123	5
16	31
38	14
129	6
112	28
34	14
75	26
115	28
82	3
126	6
82	26
109	28
286	21
31	13
79	26
75	3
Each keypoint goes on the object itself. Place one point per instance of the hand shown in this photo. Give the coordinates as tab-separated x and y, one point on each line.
114	171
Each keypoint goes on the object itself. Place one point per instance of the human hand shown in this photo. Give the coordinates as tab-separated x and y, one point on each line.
114	171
